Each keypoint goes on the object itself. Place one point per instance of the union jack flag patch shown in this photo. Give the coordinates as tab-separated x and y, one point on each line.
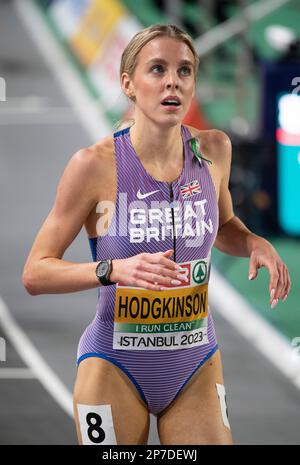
189	189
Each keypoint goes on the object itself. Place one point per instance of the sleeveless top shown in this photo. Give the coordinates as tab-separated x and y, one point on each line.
153	216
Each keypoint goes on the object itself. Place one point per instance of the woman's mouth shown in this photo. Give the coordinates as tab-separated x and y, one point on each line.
171	104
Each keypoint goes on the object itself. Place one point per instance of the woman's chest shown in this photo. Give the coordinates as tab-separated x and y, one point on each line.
114	187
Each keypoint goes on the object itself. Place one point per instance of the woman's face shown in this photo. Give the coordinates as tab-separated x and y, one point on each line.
165	67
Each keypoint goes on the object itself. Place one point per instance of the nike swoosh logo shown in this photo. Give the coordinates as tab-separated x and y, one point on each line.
143	196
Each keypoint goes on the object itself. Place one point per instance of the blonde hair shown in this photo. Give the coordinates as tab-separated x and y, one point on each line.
129	56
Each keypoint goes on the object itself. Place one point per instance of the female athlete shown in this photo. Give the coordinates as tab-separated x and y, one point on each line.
154	200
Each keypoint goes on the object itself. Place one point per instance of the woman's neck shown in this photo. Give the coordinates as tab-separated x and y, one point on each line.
157	146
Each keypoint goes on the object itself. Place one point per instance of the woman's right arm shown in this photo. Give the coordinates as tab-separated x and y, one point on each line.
77	194
45	272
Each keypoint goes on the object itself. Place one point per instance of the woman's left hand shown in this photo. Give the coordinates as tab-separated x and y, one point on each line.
264	254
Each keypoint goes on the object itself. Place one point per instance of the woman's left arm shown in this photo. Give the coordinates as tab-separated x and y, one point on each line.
234	238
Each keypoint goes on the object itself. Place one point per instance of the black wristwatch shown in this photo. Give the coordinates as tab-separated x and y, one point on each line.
103	271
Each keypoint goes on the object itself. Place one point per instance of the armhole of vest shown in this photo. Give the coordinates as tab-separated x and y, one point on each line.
116	135
188	150
187	133
121	132
118	168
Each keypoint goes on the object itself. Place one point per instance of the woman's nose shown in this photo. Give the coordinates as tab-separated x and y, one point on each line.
170	85
172	80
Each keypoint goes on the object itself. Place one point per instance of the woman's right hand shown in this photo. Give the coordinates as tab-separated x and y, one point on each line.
152	271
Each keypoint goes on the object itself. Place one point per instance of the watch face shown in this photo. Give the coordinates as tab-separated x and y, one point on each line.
102	269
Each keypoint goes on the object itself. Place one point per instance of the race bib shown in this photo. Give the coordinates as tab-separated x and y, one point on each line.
175	318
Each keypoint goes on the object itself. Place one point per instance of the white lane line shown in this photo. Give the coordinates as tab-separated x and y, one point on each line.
17	373
264	337
228	29
32	358
87	109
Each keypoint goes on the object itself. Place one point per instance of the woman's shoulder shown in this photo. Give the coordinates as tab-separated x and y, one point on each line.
215	143
210	136
91	162
103	148
99	153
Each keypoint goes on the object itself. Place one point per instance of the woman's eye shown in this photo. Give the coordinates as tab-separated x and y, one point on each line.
187	69
156	66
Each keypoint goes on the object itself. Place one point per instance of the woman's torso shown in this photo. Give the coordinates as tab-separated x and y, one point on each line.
107	189
154	216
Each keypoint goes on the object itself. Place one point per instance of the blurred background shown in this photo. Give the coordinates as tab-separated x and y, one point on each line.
60	91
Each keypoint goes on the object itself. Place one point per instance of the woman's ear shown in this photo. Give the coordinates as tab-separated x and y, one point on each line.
126	85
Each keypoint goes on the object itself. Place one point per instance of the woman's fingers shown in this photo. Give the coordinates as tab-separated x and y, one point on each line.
161	259
281	289
160	279
287	286
156	270
162	271
167	253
